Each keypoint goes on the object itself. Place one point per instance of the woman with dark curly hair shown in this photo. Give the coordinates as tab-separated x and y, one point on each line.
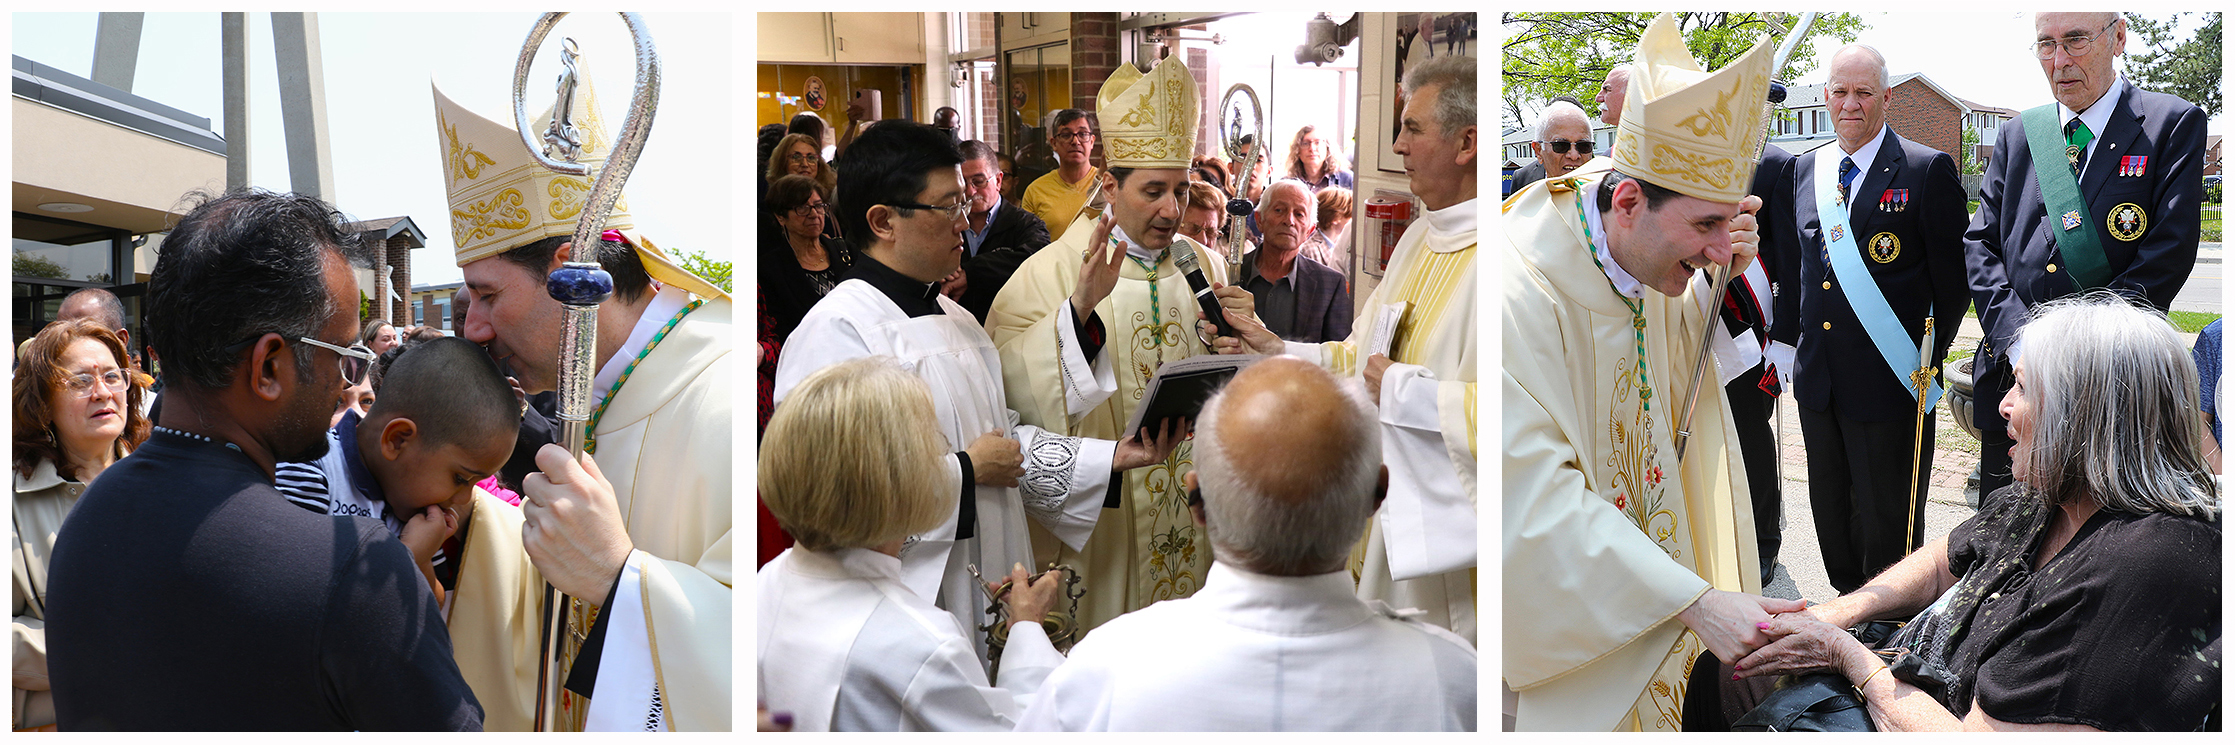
77	410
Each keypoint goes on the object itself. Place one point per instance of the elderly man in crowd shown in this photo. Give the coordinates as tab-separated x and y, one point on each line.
186	593
1563	143
1001	234
1882	218
1612	91
1614	547
1297	297
1288	473
100	305
2101	189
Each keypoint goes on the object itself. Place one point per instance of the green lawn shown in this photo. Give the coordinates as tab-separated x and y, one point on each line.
2211	224
2189	322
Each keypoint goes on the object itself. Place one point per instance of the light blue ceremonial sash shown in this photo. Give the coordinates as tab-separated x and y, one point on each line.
1861	289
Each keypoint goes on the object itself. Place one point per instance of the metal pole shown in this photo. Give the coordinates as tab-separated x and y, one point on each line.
1722	273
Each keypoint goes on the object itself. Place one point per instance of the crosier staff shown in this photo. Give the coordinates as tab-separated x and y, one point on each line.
1722	273
579	285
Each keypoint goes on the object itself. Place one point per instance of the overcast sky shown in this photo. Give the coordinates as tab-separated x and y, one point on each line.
381	111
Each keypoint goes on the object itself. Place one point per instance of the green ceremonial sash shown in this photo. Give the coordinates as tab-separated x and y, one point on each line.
2074	229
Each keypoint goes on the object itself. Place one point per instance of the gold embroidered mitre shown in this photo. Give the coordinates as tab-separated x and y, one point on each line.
1148	121
1693	132
500	198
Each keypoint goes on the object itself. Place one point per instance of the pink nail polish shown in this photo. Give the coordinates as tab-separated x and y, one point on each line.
1734	676
1763	625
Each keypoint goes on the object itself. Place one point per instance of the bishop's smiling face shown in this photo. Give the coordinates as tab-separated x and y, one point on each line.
1663	246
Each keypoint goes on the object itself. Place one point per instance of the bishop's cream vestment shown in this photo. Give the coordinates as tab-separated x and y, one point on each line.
664	442
844	645
1065	477
1420	550
1149	549
1605	536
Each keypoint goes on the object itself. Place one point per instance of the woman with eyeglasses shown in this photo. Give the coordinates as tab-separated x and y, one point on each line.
799	264
77	410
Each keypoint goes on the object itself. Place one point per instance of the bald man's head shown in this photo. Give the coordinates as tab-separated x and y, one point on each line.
1612	91
1288	458
95	303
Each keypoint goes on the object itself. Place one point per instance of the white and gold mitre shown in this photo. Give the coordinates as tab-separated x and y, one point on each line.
1148	121
1693	132
500	198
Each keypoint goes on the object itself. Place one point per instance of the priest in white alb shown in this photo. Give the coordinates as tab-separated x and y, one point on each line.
637	534
1623	561
1420	550
899	196
1081	335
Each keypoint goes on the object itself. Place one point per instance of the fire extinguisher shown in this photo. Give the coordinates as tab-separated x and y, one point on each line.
1394	210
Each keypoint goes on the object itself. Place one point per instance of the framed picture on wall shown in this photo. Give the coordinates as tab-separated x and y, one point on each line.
1418	38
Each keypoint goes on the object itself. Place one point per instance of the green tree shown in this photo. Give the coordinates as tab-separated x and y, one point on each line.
34	265
1970	154
696	262
2185	68
1568	54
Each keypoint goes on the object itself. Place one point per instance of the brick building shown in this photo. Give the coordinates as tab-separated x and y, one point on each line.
1918	110
390	240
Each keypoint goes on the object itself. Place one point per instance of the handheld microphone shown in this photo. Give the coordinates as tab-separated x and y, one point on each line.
1183	255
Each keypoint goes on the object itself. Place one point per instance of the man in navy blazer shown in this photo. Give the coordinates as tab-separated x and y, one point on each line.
2141	180
1905	218
1001	234
1297	297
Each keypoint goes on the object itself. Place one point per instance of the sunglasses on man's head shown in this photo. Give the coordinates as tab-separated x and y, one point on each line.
1561	146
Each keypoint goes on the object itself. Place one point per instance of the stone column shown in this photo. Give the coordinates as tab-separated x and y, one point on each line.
302	104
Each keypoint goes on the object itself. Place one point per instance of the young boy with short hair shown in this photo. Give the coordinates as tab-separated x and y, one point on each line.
444	418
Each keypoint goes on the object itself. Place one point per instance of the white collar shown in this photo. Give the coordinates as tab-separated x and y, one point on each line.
1131	249
1623	282
2098	114
1452	228
845	563
1318	604
663	306
1868	154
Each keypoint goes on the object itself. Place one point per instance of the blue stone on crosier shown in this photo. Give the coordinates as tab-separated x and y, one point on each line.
580	284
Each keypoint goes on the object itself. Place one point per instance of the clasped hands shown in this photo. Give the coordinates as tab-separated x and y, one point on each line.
1771	636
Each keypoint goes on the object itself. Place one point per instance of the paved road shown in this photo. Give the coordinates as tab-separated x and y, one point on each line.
2202	293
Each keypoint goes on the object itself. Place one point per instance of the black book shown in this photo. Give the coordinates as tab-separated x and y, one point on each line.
1180	388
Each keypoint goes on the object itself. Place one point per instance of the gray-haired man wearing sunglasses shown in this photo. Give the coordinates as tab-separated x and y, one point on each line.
1563	143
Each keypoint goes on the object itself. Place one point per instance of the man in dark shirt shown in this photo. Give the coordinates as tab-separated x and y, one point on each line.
1297	297
187	594
1001	234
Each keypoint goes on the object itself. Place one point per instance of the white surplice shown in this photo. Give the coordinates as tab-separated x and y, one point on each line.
1254	652
1420	552
1606	536
1065	477
845	645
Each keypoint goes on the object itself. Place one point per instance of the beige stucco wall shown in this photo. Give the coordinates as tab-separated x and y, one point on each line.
132	179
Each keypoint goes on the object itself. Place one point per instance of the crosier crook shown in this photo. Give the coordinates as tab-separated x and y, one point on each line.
579	286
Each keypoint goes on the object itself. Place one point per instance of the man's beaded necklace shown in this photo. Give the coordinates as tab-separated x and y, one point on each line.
1637	307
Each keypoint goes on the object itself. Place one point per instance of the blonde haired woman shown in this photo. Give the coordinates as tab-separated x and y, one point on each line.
851	466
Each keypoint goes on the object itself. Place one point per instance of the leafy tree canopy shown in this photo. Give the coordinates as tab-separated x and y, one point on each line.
2188	68
1548	55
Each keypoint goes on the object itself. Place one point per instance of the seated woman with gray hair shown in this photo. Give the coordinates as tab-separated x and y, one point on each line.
850	466
2083	596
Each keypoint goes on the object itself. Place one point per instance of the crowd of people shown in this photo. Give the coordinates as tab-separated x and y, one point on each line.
1641	517
959	404
357	526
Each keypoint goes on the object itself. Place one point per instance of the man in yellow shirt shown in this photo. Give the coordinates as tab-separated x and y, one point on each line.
1058	196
